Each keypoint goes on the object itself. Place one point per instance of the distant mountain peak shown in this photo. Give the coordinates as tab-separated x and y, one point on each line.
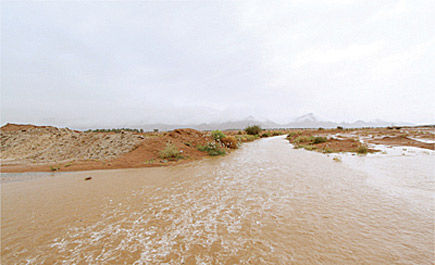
250	118
309	117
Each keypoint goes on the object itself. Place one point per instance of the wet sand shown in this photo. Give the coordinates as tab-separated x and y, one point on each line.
263	204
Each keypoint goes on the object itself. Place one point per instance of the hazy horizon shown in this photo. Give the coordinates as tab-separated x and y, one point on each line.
112	64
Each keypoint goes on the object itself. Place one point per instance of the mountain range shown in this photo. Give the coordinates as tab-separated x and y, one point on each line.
308	120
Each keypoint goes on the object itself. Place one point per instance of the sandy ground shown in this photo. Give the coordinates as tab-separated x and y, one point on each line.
29	148
26	148
350	140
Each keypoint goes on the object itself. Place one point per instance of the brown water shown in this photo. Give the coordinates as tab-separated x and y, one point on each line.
264	204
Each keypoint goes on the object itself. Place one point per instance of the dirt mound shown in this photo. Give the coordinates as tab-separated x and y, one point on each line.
186	133
44	148
19	127
44	144
402	141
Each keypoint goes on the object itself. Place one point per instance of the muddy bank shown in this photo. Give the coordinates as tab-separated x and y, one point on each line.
361	140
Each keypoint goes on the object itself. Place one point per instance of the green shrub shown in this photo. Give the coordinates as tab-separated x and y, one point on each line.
170	152
318	140
265	135
302	139
212	149
246	138
253	130
217	135
327	150
362	149
291	134
230	142
308	147
251	138
54	168
339	128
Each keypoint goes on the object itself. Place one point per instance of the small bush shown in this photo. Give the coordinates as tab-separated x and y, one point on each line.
308	147
239	132
54	168
170	152
230	142
291	134
217	135
337	159
327	150
302	139
362	149
253	130
265	135
318	140
339	128
212	149
246	138
276	133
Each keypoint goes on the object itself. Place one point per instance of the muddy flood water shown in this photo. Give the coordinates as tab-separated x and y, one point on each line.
265	203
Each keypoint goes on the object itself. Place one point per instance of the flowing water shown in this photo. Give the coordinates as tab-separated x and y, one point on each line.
263	204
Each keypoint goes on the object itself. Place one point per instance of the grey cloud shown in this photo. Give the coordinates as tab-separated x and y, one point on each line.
120	63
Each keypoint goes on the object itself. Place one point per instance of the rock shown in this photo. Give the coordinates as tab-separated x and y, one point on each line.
88	178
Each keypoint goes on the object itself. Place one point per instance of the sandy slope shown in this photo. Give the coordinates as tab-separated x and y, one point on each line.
50	144
37	148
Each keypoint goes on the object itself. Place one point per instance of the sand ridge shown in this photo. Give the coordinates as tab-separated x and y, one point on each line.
43	148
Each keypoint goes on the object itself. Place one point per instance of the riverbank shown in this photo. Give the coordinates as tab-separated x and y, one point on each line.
29	148
362	140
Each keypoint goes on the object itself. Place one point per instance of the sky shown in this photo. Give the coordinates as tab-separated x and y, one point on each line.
125	63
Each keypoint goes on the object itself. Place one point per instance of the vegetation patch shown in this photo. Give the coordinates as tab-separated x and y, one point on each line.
212	149
327	150
362	150
54	168
318	140
293	134
217	135
230	142
265	135
246	138
253	130
308	147
171	152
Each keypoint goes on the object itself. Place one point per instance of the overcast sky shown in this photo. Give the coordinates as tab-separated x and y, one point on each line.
116	63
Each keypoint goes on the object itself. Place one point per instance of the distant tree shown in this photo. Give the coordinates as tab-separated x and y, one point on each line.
253	130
